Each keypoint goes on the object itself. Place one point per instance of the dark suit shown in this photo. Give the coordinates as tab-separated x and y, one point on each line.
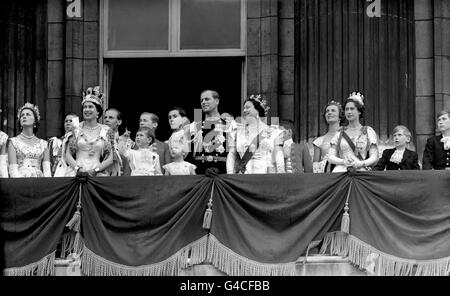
409	161
300	158
434	155
163	152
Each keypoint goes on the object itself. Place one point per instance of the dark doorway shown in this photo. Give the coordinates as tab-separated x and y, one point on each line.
156	84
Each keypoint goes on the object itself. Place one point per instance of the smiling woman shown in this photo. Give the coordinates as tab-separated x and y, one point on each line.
91	146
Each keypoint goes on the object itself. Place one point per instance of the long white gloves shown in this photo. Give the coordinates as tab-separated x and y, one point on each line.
14	170
3	166
46	167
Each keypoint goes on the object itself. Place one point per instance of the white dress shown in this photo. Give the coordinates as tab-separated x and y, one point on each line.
323	143
4	168
264	159
179	168
143	162
29	158
362	142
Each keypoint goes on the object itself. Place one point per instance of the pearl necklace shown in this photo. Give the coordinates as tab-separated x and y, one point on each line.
27	137
91	128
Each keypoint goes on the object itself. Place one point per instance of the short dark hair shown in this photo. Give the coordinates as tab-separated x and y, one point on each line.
119	114
70	113
339	106
215	94
443	112
180	111
36	121
287	124
258	107
153	116
358	106
98	107
148	132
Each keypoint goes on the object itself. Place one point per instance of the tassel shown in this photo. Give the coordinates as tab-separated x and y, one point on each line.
208	216
74	223
208	213
345	223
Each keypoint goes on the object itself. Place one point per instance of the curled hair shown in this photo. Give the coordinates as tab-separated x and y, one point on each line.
98	107
149	133
340	110
358	106
36	119
258	107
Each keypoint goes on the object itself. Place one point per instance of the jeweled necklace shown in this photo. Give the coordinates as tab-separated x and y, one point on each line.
27	137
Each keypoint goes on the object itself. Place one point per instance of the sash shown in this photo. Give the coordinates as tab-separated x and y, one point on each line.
350	142
241	166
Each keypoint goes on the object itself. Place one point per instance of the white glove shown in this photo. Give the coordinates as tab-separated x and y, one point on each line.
46	168
3	166
14	171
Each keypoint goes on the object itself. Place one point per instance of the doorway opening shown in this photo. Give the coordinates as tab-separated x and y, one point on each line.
157	84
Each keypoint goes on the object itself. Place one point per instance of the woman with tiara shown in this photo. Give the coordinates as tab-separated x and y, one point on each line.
333	115
3	155
354	145
28	155
255	147
90	146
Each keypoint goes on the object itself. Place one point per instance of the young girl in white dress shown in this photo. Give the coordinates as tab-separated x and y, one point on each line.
178	166
143	161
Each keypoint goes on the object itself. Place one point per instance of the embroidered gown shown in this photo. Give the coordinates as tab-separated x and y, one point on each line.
264	159
362	142
3	140
90	151
29	157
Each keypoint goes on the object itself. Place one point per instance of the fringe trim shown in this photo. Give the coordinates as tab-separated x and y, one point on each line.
43	267
363	255
71	242
194	253
233	264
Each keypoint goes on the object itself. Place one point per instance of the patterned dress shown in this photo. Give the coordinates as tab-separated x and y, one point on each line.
29	157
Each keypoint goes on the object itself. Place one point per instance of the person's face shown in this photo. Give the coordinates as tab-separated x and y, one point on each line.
69	123
351	112
111	119
287	134
400	139
27	118
175	119
443	122
208	103
142	140
89	111
250	110
176	151
146	120
332	114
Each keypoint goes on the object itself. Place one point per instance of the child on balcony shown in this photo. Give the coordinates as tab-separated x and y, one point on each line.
143	161
400	157
178	166
437	150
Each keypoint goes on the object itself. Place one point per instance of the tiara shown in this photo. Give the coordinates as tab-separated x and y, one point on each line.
262	102
333	102
93	95
357	96
31	107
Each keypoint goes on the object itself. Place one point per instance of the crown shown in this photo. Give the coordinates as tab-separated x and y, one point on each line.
262	102
31	107
357	96
93	95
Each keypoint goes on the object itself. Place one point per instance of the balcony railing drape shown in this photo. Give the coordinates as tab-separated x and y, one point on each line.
261	224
